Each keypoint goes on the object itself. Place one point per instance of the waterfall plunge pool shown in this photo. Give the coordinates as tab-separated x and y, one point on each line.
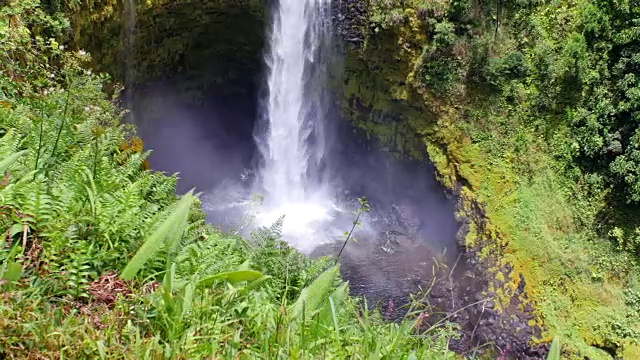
411	226
308	162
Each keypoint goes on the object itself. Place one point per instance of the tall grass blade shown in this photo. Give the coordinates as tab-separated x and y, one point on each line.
334	315
101	349
329	310
39	140
554	352
62	123
167	233
315	294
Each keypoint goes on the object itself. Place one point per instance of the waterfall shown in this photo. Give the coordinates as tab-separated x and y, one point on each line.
292	140
129	56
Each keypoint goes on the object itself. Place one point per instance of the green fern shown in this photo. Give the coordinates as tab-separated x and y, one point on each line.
263	235
9	160
276	227
208	257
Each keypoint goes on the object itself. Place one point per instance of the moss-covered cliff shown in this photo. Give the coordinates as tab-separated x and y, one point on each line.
212	45
490	90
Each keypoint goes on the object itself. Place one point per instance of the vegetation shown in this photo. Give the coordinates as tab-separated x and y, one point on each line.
100	259
529	108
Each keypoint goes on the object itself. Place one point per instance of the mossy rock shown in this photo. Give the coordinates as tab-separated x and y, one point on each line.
629	350
217	43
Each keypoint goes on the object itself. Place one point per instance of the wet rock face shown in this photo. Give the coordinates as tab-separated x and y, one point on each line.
214	45
495	314
351	20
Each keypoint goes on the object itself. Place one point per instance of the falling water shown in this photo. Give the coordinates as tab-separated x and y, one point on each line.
293	140
129	58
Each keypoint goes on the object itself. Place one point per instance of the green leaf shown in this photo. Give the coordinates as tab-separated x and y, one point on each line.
167	285
340	295
245	265
256	283
187	299
101	349
15	229
168	232
314	295
334	315
329	310
92	199
13	272
554	352
232	277
9	160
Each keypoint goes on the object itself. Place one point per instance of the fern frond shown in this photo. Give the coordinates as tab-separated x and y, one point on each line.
276	227
264	235
10	142
9	160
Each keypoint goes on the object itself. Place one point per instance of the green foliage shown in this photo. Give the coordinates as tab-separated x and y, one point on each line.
291	271
441	66
586	76
29	51
632	298
9	160
231	277
311	297
554	352
100	209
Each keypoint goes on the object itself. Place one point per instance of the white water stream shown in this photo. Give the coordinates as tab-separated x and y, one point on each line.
129	56
293	141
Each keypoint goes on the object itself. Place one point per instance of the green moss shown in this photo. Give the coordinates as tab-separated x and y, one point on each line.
629	350
218	44
472	236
